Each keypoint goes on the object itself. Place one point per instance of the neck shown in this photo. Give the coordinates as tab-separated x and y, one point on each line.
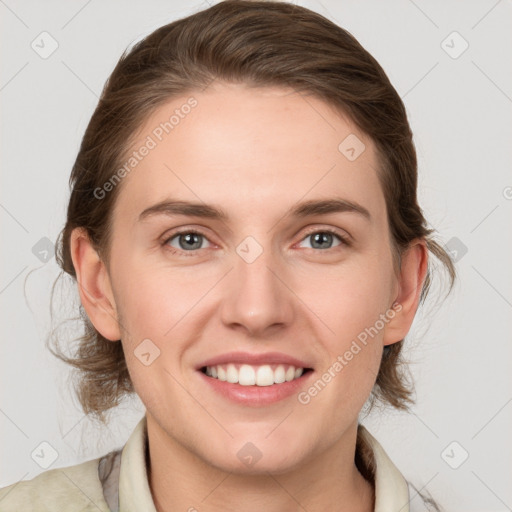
180	480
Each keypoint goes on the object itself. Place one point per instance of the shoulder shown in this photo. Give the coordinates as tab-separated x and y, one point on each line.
71	488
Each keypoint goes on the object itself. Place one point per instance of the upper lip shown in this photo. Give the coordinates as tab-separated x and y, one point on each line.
254	359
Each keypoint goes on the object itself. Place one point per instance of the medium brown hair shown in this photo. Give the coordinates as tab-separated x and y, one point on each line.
258	43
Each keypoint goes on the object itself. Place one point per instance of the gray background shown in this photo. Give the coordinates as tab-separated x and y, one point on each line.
459	110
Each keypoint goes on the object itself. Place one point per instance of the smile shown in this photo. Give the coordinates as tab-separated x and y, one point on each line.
254	375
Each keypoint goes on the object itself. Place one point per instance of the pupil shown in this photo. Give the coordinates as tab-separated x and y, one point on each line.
191	239
319	237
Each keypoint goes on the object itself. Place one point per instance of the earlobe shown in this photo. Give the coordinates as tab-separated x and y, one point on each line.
94	285
412	276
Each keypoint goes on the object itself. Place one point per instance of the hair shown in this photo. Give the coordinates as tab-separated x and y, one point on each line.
259	44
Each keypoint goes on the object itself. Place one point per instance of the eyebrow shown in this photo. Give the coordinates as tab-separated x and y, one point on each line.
305	209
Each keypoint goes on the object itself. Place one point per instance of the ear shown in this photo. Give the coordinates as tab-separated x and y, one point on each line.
413	271
94	285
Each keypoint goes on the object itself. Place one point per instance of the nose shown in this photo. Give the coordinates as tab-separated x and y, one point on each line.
257	298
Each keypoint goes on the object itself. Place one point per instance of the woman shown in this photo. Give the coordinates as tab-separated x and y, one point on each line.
245	235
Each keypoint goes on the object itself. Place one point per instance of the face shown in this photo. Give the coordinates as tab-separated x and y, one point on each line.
223	256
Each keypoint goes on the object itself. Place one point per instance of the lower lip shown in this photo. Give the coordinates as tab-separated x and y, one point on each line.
256	395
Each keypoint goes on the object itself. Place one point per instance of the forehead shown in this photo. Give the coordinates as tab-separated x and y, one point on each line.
244	147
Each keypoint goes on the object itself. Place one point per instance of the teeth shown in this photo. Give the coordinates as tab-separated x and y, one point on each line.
247	375
264	376
232	374
279	375
221	373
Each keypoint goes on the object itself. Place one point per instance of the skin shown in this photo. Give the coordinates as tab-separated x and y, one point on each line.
254	152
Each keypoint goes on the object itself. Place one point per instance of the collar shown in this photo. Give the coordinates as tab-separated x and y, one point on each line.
391	489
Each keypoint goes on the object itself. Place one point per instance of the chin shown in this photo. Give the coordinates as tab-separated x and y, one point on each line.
257	457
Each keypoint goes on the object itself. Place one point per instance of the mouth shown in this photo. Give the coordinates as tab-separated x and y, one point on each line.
255	375
252	379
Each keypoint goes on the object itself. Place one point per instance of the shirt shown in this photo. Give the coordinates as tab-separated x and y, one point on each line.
118	482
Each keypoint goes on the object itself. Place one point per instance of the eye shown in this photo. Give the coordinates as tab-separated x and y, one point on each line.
190	241
323	239
185	241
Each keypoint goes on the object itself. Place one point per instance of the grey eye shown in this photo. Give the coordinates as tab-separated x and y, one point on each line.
187	241
322	240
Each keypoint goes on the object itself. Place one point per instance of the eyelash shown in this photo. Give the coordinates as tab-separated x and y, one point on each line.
343	239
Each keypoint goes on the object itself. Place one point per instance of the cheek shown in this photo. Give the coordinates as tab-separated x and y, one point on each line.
352	352
347	300
152	299
350	304
153	305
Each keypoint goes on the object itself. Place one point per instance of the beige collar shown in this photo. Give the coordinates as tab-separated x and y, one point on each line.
391	489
